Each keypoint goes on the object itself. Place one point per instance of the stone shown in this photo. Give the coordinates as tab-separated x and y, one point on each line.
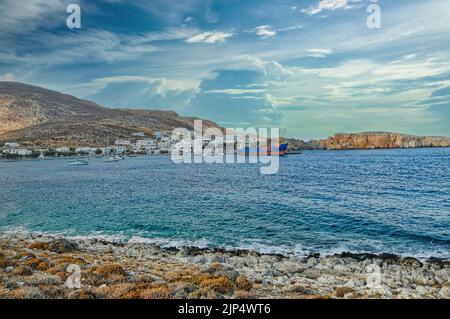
62	246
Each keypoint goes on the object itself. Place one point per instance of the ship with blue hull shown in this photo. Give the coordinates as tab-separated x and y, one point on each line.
278	150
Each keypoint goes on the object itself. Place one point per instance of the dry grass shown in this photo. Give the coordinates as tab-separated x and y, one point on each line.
38	246
110	270
220	284
155	293
22	271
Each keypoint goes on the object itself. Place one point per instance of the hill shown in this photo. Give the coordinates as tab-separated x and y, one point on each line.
34	115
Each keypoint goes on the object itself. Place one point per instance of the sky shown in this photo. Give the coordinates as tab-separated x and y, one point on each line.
313	67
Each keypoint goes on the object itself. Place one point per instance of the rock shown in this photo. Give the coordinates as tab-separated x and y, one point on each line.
441	263
421	290
411	262
405	293
342	291
384	291
312	273
22	271
62	246
354	283
298	289
313	261
341	268
291	268
327	280
372	140
9	269
445	292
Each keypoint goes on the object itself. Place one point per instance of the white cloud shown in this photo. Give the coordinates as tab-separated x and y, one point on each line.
294	27
329	5
90	45
159	86
409	57
319	53
19	17
210	37
370	72
271	69
7	77
265	31
236	91
170	34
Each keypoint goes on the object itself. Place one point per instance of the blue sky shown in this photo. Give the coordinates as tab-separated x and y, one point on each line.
312	66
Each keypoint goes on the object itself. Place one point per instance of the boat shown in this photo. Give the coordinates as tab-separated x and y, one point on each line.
113	158
78	162
279	149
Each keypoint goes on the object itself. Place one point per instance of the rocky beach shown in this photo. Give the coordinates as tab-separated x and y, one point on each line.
37	266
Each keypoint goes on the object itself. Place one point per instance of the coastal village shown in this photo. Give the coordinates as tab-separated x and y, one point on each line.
159	143
139	144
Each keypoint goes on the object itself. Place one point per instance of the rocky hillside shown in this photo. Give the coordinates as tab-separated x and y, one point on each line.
372	140
33	115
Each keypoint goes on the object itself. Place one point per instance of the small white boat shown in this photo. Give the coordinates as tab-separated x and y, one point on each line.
78	162
114	158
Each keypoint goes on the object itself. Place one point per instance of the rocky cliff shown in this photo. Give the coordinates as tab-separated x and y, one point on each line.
373	140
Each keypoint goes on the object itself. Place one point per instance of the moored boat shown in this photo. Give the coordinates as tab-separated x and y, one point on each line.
278	150
78	162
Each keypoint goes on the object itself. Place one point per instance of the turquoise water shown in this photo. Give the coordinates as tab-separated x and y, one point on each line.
321	201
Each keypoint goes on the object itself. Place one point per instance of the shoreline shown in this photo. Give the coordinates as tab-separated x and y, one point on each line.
34	266
294	152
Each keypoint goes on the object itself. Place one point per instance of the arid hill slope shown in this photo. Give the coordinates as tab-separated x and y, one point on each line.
35	115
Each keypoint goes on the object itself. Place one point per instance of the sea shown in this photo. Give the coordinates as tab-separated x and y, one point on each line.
373	201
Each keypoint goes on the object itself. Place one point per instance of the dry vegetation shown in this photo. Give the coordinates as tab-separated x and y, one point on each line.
39	270
37	267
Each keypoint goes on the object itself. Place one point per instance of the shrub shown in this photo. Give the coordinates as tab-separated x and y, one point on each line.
110	270
243	283
220	284
341	291
22	271
155	293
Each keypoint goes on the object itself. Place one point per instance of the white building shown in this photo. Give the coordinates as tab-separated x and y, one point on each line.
63	149
122	142
114	150
86	150
145	143
164	145
18	151
138	134
159	135
24	152
119	149
12	145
